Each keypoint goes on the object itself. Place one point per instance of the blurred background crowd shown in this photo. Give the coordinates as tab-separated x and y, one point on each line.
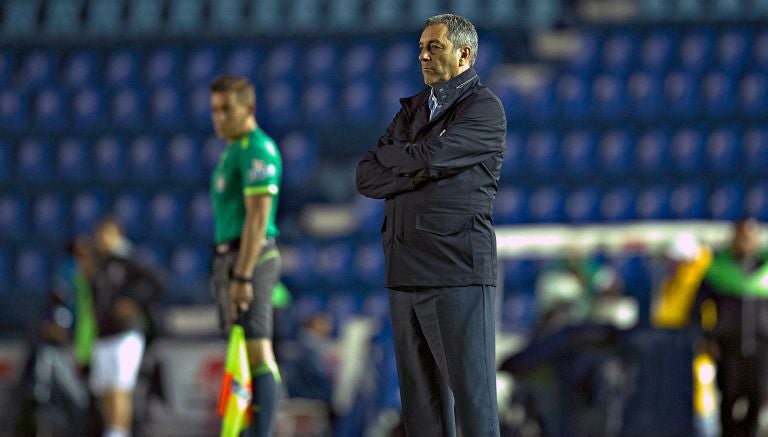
619	112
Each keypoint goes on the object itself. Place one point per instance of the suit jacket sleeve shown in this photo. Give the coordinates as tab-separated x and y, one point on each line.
375	180
475	135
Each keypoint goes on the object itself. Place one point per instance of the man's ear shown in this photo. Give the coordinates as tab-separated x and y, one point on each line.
465	54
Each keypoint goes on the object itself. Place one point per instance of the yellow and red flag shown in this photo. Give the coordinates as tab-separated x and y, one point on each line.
236	390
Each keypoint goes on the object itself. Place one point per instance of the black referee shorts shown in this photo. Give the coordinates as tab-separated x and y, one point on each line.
257	321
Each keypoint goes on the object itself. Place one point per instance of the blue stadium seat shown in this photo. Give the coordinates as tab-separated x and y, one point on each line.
726	202
332	262
584	58
652	203
33	162
153	254
359	61
243	61
687	150
185	16
319	61
50	109
7	65
318	103
127	107
14	109
619	52
33	270
488	55
755	149
166	105
145	17
510	207
681	94
199	105
514	164
582	205
732	50
696	50
279	103
573	97
130	209
398	60
615	152
14	216
652	153
542	153
81	68
201	216
122	68
724	151
753	94
109	159
105	17
579	152
512	99
369	264
190	266
61	18
718	94
645	101
689	201
617	204
88	207
6	161
359	101
6	276
163	66
283	63
658	50
342	306
370	215
759	52
545	205
167	215
227	15
756	201
299	151
89	108
609	97
37	69
145	159
184	159
73	162
212	148
203	64
50	216
390	95
542	99
299	265
518	312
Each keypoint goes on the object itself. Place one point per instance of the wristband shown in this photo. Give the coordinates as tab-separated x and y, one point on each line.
240	279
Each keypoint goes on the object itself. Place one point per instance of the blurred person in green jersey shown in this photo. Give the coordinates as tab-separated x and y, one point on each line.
246	267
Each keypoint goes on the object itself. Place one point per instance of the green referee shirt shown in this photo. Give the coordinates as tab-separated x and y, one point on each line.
248	166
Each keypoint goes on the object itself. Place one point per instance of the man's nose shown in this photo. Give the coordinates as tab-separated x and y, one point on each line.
423	55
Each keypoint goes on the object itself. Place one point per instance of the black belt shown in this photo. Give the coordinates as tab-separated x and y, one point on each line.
229	246
226	247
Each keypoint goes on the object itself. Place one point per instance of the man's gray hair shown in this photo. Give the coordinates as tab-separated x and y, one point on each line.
461	32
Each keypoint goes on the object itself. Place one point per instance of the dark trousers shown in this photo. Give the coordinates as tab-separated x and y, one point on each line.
740	376
444	345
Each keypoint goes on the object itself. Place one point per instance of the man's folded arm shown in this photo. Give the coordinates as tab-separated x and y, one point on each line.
472	138
376	181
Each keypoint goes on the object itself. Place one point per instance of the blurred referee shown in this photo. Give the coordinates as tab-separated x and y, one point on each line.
246	266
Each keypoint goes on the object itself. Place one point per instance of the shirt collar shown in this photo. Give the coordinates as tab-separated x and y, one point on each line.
445	92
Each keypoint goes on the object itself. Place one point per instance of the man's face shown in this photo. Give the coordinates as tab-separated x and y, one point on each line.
439	59
746	238
230	115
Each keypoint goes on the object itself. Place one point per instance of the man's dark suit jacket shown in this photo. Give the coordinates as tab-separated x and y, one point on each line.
439	179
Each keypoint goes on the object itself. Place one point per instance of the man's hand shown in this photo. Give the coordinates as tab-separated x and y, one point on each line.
240	297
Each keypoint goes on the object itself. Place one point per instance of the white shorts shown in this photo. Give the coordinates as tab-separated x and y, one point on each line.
115	362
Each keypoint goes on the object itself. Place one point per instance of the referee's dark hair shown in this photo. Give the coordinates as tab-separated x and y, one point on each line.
240	85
